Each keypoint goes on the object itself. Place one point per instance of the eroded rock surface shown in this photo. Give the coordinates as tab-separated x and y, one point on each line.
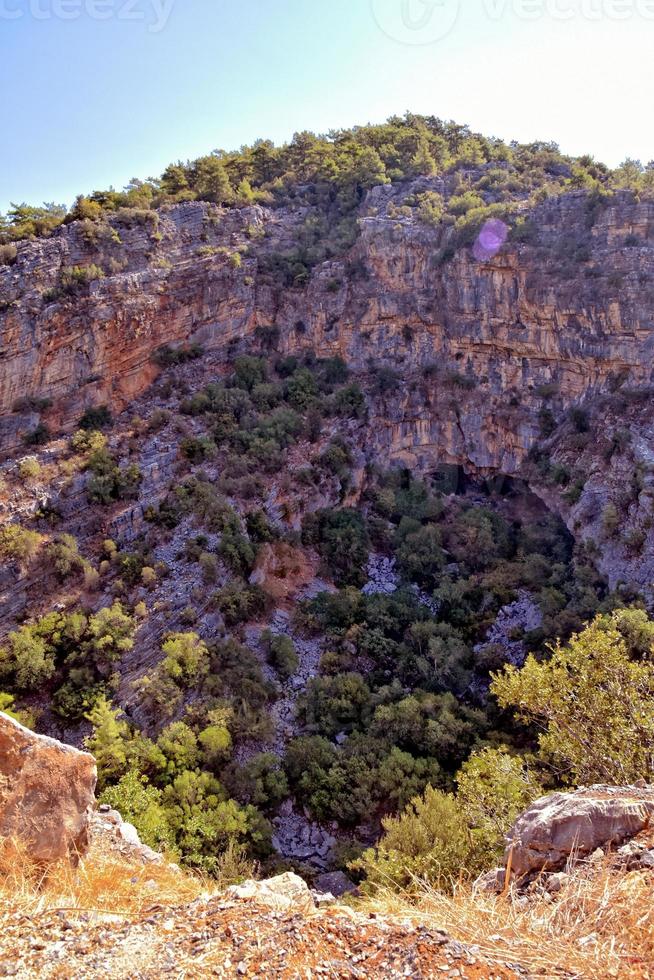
47	793
564	825
287	891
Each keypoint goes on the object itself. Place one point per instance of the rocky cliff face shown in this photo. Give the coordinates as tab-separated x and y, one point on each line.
479	348
472	342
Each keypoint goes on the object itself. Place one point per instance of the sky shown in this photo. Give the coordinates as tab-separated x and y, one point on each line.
96	92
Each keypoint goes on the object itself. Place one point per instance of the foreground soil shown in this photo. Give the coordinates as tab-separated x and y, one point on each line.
216	938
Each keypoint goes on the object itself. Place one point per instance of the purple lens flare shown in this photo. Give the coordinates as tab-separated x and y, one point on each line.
490	240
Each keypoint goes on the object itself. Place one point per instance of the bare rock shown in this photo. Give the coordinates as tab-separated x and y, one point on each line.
47	793
287	891
335	883
491	881
562	825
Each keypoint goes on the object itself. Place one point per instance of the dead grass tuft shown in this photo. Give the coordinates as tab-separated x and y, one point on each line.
600	925
104	882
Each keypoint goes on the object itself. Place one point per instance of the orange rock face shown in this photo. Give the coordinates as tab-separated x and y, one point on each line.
47	793
473	343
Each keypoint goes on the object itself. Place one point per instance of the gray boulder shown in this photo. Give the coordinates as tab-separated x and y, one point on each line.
286	891
564	825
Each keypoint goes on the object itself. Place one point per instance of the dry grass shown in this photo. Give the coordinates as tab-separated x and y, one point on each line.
600	925
104	882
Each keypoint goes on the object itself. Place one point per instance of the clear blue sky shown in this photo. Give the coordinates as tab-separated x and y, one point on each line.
88	103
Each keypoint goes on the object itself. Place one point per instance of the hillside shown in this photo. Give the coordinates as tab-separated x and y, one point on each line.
119	917
304	451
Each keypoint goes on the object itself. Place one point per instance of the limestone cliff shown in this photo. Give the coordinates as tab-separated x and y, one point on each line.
570	308
479	348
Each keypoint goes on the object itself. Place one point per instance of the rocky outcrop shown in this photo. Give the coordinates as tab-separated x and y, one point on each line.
287	891
46	793
562	826
122	837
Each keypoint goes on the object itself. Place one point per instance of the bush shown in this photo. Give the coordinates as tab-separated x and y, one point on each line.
76	277
185	658
592	700
8	254
17	543
64	557
429	842
281	653
29	468
142	805
38	436
238	602
95	418
342	540
167	356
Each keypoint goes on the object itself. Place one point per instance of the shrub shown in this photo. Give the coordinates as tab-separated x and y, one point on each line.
95	418
579	419
167	356
64	558
38	436
185	658
281	653
249	372
261	781
429	842
17	543
8	254
301	389
76	277
238	602
28	659
494	788
342	540
29	468
593	702
141	804
460	204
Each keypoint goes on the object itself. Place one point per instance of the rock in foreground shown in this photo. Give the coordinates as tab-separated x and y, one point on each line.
47	793
564	824
286	891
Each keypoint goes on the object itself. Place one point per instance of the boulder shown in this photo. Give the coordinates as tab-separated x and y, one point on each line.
287	891
562	825
47	793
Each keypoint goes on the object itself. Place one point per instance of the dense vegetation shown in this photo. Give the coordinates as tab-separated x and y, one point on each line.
411	704
329	175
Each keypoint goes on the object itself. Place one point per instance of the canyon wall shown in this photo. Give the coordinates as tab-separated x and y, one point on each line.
473	344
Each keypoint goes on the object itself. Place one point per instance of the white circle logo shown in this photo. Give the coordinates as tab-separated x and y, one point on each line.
416	21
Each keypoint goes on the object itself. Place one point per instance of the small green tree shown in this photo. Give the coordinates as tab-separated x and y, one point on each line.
141	804
281	653
28	658
494	787
430	841
593	703
108	741
18	544
186	657
110	635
